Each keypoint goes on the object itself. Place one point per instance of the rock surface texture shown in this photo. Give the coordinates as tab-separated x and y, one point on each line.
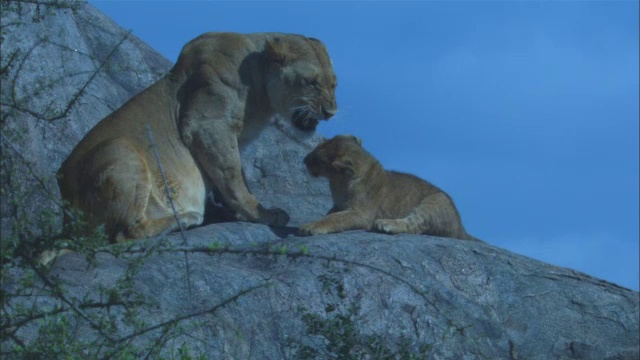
246	291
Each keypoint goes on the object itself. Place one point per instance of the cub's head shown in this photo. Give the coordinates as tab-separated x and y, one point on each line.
300	80
341	156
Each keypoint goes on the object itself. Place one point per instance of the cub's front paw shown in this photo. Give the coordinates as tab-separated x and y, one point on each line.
311	230
276	217
388	226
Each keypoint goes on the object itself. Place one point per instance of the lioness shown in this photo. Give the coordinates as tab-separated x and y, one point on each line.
365	196
223	90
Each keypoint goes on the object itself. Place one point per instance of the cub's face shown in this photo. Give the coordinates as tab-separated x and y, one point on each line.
300	81
337	157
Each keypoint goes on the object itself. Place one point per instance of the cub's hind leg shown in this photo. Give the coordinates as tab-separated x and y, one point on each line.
435	215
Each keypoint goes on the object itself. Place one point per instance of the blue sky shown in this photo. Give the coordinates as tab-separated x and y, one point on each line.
526	113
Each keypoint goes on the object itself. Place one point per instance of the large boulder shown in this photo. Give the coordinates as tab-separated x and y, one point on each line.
244	291
239	290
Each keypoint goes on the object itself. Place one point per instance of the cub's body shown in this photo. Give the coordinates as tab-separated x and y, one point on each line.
367	197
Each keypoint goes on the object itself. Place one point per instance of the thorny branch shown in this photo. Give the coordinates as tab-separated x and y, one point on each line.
16	103
195	314
170	197
268	252
27	163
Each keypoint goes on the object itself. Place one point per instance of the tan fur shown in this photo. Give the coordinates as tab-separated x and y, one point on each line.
220	94
365	196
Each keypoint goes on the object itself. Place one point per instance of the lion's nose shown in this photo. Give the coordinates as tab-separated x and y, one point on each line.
328	113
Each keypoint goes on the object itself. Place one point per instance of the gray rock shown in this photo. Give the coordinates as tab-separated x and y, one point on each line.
246	291
276	175
354	293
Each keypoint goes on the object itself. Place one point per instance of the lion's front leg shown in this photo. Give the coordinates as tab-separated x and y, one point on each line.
210	122
220	158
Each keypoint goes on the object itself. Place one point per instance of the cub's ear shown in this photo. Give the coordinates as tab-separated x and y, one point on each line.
344	166
277	51
357	140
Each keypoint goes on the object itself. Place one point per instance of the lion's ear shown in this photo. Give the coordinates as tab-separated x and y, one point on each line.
277	50
344	165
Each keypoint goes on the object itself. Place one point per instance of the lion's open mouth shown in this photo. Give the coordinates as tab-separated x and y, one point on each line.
304	121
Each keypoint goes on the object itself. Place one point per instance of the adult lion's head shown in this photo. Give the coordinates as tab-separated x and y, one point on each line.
300	80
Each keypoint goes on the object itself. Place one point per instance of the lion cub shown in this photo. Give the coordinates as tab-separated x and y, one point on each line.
365	196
